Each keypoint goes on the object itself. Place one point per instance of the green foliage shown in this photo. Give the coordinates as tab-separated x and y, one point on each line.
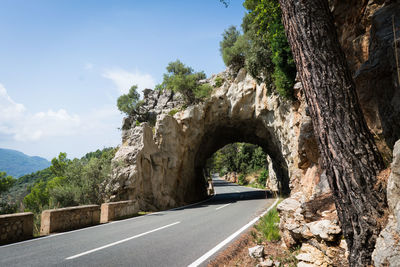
233	48
242	179
7	208
6	182
262	179
129	103
38	198
58	165
219	81
237	157
181	78
266	17
262	48
137	123
74	182
268	226
172	112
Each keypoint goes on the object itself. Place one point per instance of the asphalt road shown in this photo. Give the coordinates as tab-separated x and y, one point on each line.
179	237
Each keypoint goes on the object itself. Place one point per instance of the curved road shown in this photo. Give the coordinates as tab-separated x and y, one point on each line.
179	237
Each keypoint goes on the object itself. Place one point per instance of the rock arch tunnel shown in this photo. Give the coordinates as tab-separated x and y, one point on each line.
162	166
240	131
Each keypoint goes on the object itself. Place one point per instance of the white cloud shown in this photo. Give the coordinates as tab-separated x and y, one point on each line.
88	66
124	79
23	126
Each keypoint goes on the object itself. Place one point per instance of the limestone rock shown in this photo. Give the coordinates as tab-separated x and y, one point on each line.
267	263
387	248
325	229
162	166
256	252
311	255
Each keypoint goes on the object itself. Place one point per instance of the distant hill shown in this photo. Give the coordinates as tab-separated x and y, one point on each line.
16	163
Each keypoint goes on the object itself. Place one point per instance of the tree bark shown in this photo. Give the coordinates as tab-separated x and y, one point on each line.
348	151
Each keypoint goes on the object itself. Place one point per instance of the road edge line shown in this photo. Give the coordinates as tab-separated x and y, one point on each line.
230	238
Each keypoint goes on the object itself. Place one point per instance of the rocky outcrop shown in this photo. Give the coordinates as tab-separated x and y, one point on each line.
387	252
162	166
313	225
366	34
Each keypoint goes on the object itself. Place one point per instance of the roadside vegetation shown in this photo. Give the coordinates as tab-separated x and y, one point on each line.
178	79
265	233
65	183
247	162
261	47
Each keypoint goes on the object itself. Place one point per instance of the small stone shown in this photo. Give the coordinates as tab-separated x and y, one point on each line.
305	257
256	252
267	263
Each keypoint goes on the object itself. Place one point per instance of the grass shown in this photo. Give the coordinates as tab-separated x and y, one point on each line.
268	226
265	233
173	112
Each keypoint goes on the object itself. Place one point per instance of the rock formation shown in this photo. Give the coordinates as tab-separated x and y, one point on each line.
387	252
161	166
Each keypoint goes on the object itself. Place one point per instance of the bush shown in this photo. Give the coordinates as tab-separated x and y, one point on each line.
266	17
219	81
268	226
233	48
78	181
172	112
242	179
181	78
262	179
263	48
129	103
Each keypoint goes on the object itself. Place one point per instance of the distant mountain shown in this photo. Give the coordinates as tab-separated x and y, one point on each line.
16	163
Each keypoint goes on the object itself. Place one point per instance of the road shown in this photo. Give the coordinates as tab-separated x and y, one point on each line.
179	237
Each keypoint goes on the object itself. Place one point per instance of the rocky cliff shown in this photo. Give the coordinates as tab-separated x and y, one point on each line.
161	166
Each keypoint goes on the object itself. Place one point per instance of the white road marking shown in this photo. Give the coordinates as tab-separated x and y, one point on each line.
223	206
119	242
229	238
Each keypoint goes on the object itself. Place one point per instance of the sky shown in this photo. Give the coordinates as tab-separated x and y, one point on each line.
64	63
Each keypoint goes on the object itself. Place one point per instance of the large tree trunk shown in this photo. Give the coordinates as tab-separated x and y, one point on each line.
348	151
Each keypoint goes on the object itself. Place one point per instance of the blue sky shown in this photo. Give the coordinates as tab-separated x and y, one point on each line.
63	64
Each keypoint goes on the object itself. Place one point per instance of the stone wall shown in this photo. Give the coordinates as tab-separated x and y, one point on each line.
59	220
16	227
116	210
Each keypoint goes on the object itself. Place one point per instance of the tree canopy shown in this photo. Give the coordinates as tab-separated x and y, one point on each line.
181	78
262	48
130	103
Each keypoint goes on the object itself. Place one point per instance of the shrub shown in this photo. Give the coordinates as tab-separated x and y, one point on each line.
262	179
181	78
219	81
203	91
233	48
268	226
242	179
129	103
263	48
172	112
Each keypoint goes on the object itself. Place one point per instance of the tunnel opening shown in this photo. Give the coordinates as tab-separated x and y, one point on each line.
240	163
244	131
